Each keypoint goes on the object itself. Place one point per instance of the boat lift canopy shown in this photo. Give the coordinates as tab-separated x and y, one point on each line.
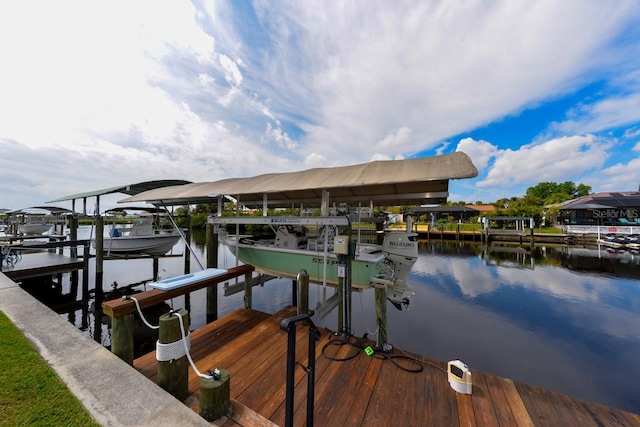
129	189
386	182
38	210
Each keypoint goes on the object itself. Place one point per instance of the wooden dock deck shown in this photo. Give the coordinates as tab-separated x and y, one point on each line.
42	264
364	390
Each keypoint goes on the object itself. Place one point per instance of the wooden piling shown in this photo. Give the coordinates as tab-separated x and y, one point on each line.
380	232
73	252
212	262
98	292
340	293
294	293
532	238
215	396
248	290
173	375
99	260
73	235
348	294
187	259
381	314
85	286
122	337
303	301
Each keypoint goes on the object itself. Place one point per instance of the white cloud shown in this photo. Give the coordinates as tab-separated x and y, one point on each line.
379	156
232	72
396	139
75	69
602	115
441	149
620	176
555	160
315	160
480	152
177	90
460	71
280	137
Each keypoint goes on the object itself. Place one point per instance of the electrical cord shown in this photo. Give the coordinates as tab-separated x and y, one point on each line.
423	362
213	375
340	342
378	353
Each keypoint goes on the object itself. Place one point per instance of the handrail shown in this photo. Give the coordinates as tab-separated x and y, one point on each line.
289	325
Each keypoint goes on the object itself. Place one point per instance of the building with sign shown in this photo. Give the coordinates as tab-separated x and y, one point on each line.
612	209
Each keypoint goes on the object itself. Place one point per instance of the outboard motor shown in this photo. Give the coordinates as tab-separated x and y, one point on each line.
400	249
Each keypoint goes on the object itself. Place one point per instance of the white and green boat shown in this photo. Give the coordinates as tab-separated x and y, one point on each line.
293	250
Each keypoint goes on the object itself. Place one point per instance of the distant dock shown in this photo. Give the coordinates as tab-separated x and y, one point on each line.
41	259
517	236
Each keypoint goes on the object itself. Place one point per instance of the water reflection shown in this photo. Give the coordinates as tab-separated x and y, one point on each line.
559	317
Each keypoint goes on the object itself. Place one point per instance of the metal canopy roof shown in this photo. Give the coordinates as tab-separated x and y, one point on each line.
606	200
52	209
130	189
387	182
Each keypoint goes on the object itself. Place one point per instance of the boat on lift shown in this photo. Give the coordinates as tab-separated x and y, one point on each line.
36	220
633	241
294	248
34	228
613	240
144	236
307	242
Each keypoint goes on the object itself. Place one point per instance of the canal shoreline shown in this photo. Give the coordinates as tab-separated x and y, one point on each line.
507	236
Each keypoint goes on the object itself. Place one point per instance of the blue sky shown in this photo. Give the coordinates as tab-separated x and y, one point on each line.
95	95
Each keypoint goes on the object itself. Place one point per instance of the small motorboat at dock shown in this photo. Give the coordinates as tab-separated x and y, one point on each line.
145	236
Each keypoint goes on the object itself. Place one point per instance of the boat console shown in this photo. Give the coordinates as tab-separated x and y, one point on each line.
289	238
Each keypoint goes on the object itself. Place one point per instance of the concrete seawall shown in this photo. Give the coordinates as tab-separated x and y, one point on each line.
112	391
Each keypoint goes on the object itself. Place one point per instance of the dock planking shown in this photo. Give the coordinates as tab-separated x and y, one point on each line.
364	390
42	264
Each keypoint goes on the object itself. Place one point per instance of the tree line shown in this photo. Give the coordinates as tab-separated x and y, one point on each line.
536	200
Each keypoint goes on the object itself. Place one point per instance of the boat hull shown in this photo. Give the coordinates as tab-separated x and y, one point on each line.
158	244
34	229
288	263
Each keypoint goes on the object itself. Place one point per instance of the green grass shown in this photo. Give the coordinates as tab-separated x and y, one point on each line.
30	391
549	230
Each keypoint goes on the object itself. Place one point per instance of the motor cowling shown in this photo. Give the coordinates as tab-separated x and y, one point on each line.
400	248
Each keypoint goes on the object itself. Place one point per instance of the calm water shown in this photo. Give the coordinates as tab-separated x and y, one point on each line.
566	319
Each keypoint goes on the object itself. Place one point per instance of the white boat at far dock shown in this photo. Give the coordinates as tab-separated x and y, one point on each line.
35	221
145	236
